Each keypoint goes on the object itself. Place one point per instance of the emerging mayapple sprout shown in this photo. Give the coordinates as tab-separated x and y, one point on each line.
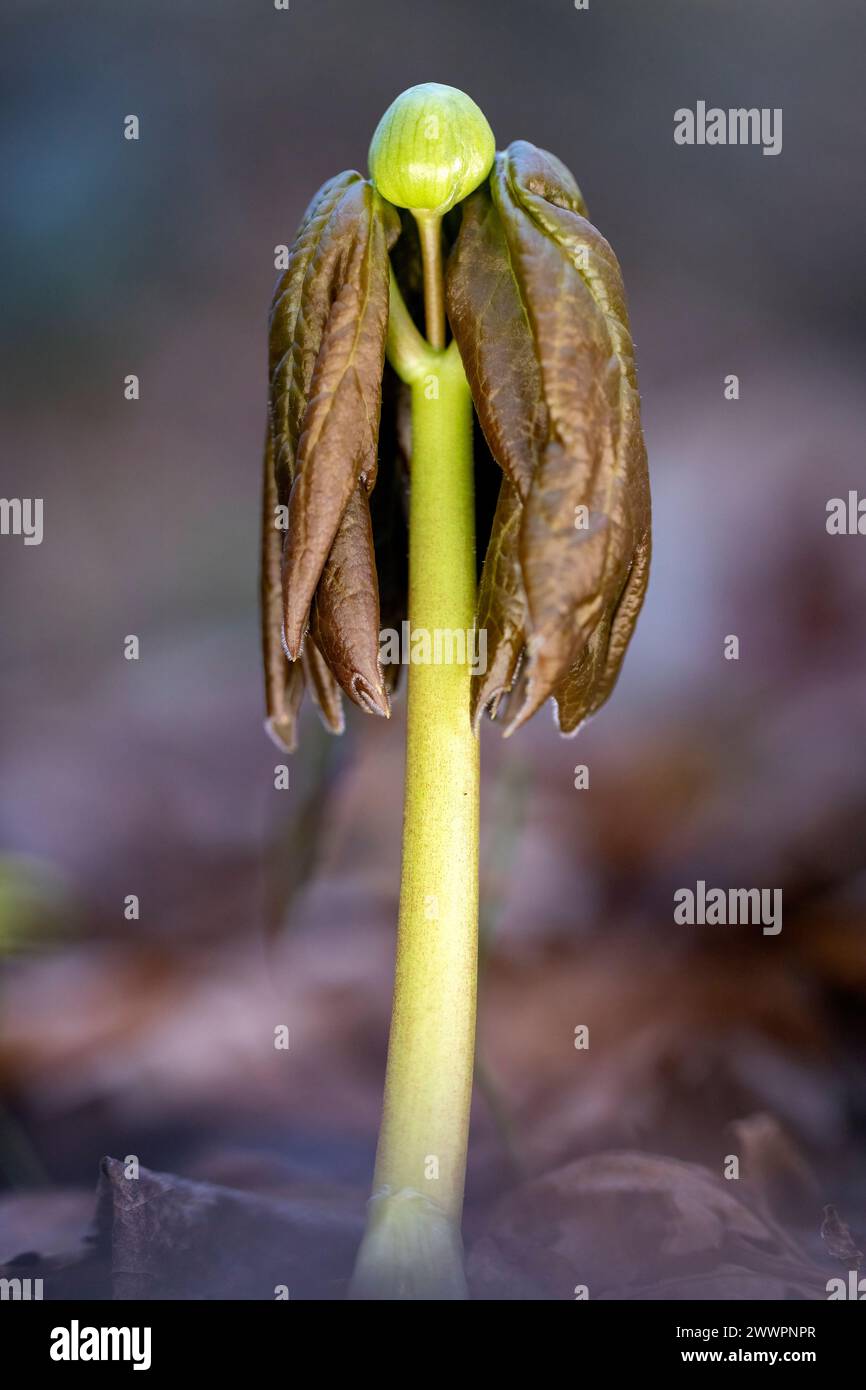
368	456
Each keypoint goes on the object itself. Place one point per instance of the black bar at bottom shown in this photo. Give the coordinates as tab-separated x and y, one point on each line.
221	1338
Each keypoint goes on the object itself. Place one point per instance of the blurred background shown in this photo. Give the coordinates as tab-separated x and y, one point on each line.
155	1037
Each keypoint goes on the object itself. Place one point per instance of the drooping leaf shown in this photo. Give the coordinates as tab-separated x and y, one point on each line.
488	318
323	687
536	302
327	346
286	375
326	355
284	680
502	611
345	613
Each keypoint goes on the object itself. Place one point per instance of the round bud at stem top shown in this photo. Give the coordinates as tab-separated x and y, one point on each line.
432	147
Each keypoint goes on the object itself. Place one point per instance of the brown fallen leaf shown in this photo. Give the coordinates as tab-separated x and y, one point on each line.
169	1238
636	1226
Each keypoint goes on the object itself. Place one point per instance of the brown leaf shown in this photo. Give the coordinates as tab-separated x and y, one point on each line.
345	615
488	318
327	348
284	681
636	1226
170	1238
536	302
289	377
502	611
323	687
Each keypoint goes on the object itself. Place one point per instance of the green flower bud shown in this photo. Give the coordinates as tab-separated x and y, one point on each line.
432	147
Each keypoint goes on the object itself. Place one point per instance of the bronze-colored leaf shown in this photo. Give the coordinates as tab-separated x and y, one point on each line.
323	687
536	302
502	611
287	377
327	348
345	613
488	318
284	681
582	693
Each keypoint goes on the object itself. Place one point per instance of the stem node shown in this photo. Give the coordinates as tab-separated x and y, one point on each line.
411	1251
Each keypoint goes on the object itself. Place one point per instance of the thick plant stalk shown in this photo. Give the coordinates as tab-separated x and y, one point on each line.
412	1248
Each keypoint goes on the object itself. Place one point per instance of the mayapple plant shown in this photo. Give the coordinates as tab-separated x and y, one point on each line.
369	452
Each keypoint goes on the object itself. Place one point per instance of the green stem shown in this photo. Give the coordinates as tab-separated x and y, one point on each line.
412	1248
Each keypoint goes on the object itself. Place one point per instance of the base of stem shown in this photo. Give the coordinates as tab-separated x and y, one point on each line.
411	1250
